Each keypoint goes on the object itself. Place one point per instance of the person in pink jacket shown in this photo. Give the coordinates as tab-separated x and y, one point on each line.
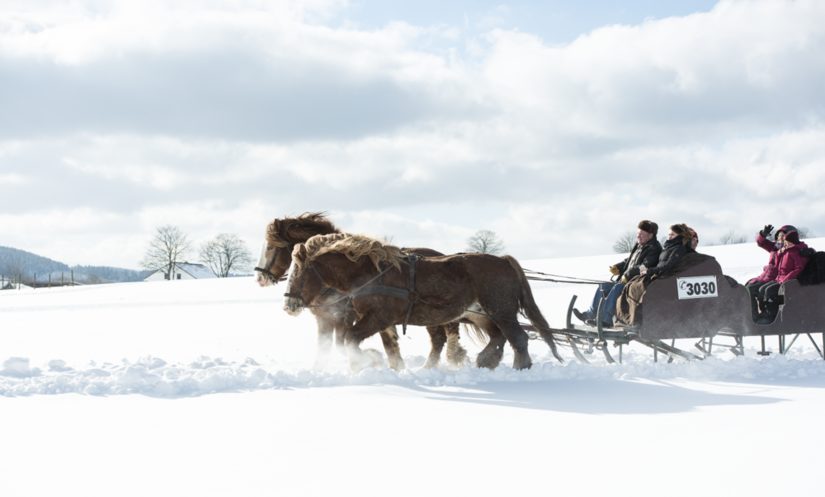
790	262
769	272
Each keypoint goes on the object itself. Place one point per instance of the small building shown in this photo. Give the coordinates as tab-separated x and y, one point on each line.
182	271
9	284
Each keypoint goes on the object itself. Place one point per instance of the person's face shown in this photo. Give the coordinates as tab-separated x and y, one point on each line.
671	235
694	242
643	237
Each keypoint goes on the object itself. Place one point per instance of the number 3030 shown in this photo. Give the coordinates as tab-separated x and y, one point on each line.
703	288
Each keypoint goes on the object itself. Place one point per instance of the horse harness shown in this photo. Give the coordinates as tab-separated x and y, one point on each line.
409	294
376	286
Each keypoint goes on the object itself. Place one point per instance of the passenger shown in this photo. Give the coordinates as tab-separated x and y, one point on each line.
769	271
789	263
677	245
645	252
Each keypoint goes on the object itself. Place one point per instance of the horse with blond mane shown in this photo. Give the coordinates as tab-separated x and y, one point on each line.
388	287
333	314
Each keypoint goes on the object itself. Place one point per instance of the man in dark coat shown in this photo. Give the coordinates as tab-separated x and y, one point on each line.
645	253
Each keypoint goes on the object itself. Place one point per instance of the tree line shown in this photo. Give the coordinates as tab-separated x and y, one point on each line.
227	253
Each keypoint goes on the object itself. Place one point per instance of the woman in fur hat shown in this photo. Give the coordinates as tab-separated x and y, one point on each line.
677	245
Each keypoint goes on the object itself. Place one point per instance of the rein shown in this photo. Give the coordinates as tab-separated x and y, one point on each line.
557	278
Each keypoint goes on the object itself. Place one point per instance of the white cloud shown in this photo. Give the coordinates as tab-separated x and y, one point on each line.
12	179
219	118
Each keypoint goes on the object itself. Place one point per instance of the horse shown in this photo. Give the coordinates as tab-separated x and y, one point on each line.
333	313
388	287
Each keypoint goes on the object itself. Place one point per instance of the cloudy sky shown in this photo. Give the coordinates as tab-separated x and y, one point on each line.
556	124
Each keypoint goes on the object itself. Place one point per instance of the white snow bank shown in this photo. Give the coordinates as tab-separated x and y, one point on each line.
155	377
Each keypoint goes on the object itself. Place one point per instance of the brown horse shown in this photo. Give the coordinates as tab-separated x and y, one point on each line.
333	313
388	287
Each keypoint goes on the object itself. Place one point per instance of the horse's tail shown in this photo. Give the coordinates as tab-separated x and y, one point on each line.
478	335
528	306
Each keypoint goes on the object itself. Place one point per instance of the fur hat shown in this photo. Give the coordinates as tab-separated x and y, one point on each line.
693	233
791	233
649	226
683	231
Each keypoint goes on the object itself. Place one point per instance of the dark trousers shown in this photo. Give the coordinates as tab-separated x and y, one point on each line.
765	295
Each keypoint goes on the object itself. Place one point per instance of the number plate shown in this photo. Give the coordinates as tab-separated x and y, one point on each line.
697	287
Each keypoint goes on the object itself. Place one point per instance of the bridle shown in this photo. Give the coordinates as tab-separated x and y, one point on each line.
267	269
297	295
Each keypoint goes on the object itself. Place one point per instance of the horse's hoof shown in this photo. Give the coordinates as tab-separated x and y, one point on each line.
486	362
522	361
522	364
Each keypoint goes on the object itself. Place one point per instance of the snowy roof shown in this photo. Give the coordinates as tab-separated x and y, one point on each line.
194	270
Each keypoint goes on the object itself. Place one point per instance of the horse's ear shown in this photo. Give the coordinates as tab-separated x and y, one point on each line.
272	229
299	253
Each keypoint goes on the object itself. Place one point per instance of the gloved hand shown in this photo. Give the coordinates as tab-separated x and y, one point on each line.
614	270
766	231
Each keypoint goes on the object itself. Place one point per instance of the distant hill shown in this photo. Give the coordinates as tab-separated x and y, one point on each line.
15	262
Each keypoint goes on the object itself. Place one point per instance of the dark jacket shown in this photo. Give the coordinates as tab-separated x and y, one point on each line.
673	250
647	254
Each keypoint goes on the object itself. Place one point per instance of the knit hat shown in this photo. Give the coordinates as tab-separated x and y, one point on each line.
791	233
649	226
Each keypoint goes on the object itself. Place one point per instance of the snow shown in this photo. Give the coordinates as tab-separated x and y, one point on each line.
206	387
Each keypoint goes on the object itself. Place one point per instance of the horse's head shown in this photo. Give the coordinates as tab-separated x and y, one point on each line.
305	282
281	236
276	256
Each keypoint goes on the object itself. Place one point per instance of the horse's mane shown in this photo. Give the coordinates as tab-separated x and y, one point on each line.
283	232
354	247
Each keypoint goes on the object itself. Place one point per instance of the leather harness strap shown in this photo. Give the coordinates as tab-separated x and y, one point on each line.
412	259
407	294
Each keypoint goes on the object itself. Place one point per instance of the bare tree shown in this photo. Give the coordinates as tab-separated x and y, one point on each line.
225	253
804	232
731	237
485	242
625	243
168	247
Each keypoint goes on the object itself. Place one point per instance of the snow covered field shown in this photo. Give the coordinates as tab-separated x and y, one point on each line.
206	388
